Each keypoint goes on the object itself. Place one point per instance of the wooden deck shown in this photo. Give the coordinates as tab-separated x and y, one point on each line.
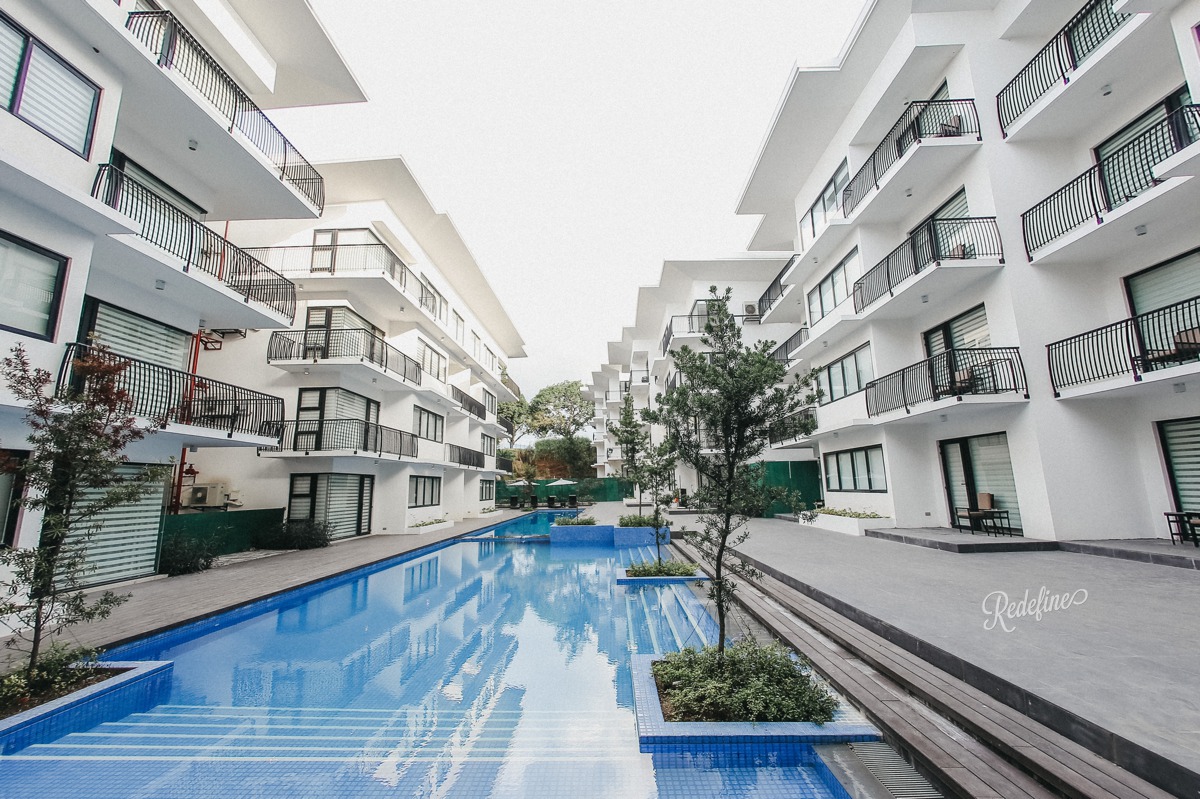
990	751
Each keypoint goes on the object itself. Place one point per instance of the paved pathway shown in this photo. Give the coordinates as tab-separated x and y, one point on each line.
1126	658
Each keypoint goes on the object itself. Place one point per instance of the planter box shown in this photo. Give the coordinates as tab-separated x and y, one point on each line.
848	525
623	578
655	734
428	528
594	535
145	684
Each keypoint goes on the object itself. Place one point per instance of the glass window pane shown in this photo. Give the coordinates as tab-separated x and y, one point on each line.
12	47
875	463
838	278
861	471
827	303
57	100
27	284
862	363
831	478
814	306
846	471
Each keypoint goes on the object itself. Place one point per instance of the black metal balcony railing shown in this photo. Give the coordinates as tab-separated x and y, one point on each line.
178	51
933	242
1164	337
354	435
341	259
320	344
795	340
921	120
503	464
1116	180
464	456
166	227
468	403
510	384
691	325
791	427
953	373
775	290
167	395
508	426
1091	26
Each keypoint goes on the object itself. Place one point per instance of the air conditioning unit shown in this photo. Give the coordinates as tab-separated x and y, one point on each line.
750	310
206	495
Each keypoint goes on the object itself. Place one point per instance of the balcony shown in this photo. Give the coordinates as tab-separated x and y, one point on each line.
639	378
1051	92
504	464
964	242
509	383
178	53
342	437
508	426
468	403
233	278
174	397
464	457
954	374
783	352
791	430
775	292
924	147
613	396
1164	343
691	327
357	353
1075	223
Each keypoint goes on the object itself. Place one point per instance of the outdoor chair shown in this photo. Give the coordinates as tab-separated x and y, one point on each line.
551	502
514	503
533	502
1184	527
952	126
1185	347
572	501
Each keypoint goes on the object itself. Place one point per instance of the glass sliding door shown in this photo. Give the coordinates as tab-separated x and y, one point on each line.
980	465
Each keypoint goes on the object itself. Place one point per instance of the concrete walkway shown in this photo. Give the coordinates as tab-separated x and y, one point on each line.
1125	658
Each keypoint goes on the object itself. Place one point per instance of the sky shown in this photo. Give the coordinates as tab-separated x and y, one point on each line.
576	145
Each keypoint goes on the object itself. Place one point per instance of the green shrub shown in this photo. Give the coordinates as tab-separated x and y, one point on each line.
429	522
59	670
567	521
183	554
751	682
634	520
811	515
295	534
668	568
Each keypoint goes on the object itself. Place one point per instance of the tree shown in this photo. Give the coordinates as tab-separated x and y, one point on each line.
719	419
561	409
71	475
518	413
630	435
656	474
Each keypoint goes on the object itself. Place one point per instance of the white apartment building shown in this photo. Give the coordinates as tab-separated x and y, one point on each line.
670	315
391	374
992	206
132	132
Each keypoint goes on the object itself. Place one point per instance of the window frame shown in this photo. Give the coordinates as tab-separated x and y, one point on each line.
60	280
865	451
848	289
19	85
843	171
420	487
419	424
487	490
826	371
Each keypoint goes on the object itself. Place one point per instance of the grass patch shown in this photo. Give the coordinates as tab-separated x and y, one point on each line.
668	568
751	682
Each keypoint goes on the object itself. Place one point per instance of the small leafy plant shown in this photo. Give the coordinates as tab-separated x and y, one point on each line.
567	521
810	516
664	568
183	554
747	682
635	520
295	534
60	670
429	522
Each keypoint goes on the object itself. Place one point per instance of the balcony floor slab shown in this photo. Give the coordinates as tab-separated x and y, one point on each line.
1160	381
967	404
933	284
919	178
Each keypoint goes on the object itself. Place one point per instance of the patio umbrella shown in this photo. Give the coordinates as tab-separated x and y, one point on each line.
518	483
562	481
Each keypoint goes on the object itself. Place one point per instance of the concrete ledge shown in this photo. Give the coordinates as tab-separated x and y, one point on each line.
1187	557
143	685
639	536
984	544
655	734
848	525
582	534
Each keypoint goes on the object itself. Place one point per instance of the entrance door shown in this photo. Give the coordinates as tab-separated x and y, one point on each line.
980	464
1181	446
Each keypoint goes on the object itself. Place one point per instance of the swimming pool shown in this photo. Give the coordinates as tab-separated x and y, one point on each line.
485	667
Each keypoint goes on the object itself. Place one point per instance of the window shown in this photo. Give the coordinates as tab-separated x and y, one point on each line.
847	375
432	300
427	425
342	500
1164	285
966	331
487	490
45	91
30	286
488	444
1124	157
489	401
828	203
855	470
424	491
460	329
433	363
12	486
830	292
1180	440
476	346
489	359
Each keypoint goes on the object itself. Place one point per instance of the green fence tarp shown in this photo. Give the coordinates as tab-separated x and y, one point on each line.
802	476
595	489
231	531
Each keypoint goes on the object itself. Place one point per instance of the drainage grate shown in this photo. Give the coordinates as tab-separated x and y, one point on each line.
894	772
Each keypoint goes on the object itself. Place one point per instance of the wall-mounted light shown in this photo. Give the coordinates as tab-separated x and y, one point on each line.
1139	230
924	298
193	145
1179	388
203	323
1106	90
160	285
305	371
908	192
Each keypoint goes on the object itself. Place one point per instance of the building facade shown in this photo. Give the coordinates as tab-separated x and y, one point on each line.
132	133
392	373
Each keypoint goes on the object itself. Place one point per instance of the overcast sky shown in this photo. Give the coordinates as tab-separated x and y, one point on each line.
576	145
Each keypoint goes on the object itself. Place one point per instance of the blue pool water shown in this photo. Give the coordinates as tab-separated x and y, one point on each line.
486	668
